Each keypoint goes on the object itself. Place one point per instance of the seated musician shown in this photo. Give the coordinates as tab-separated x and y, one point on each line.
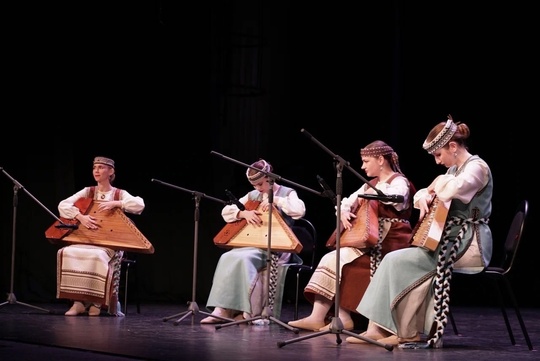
358	264
89	275
237	288
411	286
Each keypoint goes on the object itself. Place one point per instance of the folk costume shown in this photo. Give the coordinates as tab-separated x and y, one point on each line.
90	274
409	293
240	279
358	265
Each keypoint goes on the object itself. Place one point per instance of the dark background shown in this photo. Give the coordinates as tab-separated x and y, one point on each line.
159	85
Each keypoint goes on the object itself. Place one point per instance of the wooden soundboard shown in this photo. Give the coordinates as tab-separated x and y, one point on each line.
359	229
115	230
428	232
241	234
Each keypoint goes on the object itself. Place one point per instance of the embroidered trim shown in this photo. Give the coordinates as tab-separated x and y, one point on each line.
375	252
442	138
256	176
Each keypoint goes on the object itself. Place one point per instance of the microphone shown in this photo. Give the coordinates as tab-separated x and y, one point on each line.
395	198
65	225
328	192
235	200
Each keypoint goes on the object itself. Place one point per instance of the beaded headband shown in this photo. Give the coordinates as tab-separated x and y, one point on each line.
376	151
442	138
254	178
384	150
103	160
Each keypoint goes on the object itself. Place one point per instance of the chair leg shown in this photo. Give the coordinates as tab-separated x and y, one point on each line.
137	293
128	264
451	318
126	289
518	313
503	310
297	295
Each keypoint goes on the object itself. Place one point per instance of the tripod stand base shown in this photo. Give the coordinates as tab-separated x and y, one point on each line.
12	300
192	310
336	327
266	315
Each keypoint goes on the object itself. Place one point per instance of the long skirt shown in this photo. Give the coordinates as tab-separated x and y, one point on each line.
89	274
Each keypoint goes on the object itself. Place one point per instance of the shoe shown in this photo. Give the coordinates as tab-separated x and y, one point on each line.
76	309
304	324
352	339
348	325
218	311
394	340
390	340
211	320
94	310
416	338
415	345
239	317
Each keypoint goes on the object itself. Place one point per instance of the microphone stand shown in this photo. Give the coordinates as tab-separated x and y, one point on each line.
12	299
193	308
336	325
266	313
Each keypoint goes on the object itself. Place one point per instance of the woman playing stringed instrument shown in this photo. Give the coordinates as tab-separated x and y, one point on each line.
407	299
89	275
359	261
237	287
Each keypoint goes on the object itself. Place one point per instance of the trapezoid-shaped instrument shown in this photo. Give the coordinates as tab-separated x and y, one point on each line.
115	230
242	234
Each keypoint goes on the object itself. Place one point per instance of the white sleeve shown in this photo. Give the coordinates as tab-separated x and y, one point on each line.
230	211
465	185
291	205
131	204
67	208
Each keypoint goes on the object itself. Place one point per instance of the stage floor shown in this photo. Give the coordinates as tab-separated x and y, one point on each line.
30	334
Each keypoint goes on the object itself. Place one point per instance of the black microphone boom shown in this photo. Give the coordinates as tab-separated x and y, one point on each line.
328	192
395	198
235	200
65	225
306	133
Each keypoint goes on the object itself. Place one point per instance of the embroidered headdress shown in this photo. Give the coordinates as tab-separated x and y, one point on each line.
442	138
103	160
253	175
382	150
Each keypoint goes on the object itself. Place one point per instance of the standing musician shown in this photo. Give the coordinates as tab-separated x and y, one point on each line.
237	288
86	274
359	263
408	297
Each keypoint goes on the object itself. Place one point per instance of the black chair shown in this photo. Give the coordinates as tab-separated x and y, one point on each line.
498	274
307	235
129	262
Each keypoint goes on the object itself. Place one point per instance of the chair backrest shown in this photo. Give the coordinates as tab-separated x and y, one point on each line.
307	235
513	238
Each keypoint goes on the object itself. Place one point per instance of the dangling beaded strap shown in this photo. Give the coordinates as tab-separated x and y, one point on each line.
375	252
273	279
443	276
